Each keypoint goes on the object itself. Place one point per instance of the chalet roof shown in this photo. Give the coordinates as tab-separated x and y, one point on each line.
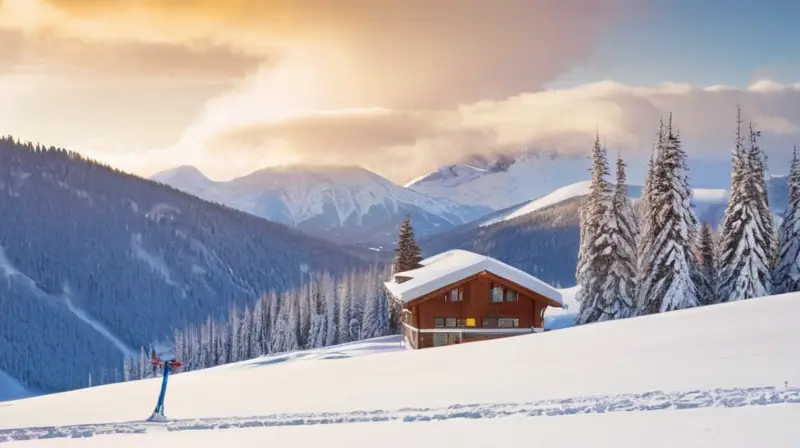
452	266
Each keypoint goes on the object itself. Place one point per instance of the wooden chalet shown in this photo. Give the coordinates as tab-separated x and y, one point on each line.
460	296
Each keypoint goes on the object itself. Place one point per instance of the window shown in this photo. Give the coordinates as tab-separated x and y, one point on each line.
497	294
448	322
505	322
456	295
500	322
441	339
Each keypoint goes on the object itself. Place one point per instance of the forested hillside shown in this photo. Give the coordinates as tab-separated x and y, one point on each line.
96	263
545	242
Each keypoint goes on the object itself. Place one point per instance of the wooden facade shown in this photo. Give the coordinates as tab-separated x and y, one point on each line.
482	306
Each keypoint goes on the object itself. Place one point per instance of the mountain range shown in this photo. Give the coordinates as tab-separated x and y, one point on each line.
345	204
95	263
351	205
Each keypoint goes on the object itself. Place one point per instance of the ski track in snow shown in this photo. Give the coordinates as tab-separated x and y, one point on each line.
648	401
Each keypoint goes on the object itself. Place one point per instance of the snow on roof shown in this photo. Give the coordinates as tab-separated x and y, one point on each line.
452	266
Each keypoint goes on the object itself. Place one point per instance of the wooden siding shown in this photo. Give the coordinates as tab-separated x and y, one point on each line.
528	308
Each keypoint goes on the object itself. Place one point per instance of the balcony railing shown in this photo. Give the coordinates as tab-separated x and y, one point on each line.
474	330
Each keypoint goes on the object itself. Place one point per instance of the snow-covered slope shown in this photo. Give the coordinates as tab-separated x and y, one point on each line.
514	180
723	375
558	195
529	176
343	203
709	204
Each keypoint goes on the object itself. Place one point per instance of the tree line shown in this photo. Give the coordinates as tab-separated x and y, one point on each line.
328	310
656	256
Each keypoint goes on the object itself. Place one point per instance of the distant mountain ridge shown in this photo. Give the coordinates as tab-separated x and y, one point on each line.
542	236
345	204
509	179
95	263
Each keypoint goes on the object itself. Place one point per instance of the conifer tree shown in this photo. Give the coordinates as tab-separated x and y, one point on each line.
619	283
672	267
707	280
644	240
758	163
744	248
787	271
407	252
597	236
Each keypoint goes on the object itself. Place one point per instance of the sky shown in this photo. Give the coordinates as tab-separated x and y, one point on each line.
400	88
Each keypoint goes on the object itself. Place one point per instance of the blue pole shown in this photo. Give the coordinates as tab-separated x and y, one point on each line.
160	405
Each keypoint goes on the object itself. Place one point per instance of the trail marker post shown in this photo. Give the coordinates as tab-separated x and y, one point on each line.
158	413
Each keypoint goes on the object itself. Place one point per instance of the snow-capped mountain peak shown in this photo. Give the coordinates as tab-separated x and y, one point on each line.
450	175
504	182
345	203
190	179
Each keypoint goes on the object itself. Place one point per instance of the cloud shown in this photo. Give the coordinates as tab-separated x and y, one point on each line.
405	143
409	54
48	52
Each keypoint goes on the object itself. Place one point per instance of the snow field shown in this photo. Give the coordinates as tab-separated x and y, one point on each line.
719	362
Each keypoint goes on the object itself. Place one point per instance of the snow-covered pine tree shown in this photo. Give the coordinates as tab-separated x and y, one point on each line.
744	250
274	310
250	348
375	319
594	258
223	343
331	294
407	253
758	163
316	329
303	297
295	333
619	283
644	241
787	271
707	280
356	301
345	311
672	266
